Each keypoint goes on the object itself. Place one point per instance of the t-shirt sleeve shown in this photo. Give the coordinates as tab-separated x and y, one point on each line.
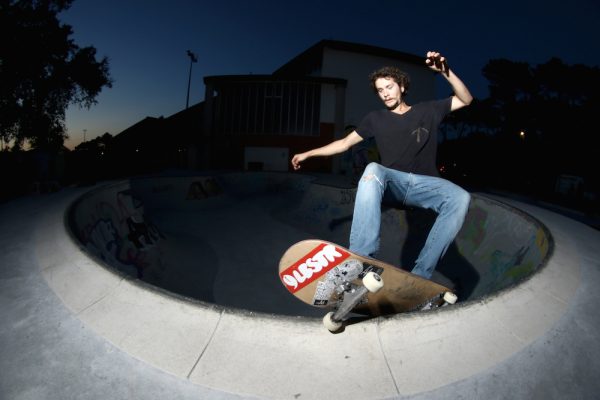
365	128
441	108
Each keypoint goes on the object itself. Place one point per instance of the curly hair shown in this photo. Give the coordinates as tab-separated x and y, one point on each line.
401	78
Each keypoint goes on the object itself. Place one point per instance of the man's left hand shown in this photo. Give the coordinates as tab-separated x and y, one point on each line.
437	62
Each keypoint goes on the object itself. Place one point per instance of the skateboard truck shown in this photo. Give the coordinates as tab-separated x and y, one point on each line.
441	300
372	282
352	295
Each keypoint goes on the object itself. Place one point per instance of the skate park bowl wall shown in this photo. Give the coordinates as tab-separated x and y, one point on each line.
218	238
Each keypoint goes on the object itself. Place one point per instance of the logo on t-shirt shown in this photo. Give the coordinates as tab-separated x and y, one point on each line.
417	132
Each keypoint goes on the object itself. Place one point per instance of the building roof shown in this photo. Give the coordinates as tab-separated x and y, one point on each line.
178	127
312	58
273	78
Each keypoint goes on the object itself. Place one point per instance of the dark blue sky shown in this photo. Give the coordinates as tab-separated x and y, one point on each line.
146	42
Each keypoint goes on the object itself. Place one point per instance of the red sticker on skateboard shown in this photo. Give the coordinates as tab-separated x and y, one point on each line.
312	266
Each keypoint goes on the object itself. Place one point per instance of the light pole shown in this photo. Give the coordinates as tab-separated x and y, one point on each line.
193	59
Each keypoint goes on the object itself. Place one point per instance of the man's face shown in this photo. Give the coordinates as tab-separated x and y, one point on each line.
389	92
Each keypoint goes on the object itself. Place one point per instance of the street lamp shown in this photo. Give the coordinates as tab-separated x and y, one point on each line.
193	59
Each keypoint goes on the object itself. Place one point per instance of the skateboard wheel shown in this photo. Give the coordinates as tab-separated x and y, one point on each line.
330	324
372	282
450	298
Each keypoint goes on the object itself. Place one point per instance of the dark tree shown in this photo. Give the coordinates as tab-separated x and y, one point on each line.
555	106
42	72
538	123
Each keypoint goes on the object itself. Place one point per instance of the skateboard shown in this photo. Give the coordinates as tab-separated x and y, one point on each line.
326	275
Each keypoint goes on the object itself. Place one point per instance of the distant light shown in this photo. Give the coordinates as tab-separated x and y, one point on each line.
137	150
522	134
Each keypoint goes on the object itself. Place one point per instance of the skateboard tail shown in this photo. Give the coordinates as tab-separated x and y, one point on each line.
311	266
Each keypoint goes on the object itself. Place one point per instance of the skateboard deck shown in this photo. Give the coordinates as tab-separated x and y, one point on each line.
324	274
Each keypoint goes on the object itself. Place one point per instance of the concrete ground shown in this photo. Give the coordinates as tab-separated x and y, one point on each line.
73	330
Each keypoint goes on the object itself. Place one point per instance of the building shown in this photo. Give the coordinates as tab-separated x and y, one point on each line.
259	122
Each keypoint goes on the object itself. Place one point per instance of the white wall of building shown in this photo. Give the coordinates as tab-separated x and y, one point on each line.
356	68
327	103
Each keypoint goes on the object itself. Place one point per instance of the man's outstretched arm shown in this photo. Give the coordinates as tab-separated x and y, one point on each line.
335	147
462	97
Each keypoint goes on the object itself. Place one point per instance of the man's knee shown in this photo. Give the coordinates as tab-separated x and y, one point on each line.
462	200
373	172
372	168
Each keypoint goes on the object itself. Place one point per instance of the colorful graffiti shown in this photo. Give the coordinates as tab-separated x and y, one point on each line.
473	229
116	231
204	188
505	245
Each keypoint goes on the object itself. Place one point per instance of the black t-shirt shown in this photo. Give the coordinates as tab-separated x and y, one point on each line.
407	142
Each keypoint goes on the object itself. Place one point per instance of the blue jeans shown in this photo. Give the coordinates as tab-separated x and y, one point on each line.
448	200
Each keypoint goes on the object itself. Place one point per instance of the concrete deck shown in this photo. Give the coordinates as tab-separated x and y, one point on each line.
72	329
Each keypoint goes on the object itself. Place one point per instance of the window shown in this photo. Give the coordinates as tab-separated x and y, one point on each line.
268	108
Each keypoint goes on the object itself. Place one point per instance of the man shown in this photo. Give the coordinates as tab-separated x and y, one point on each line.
406	137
